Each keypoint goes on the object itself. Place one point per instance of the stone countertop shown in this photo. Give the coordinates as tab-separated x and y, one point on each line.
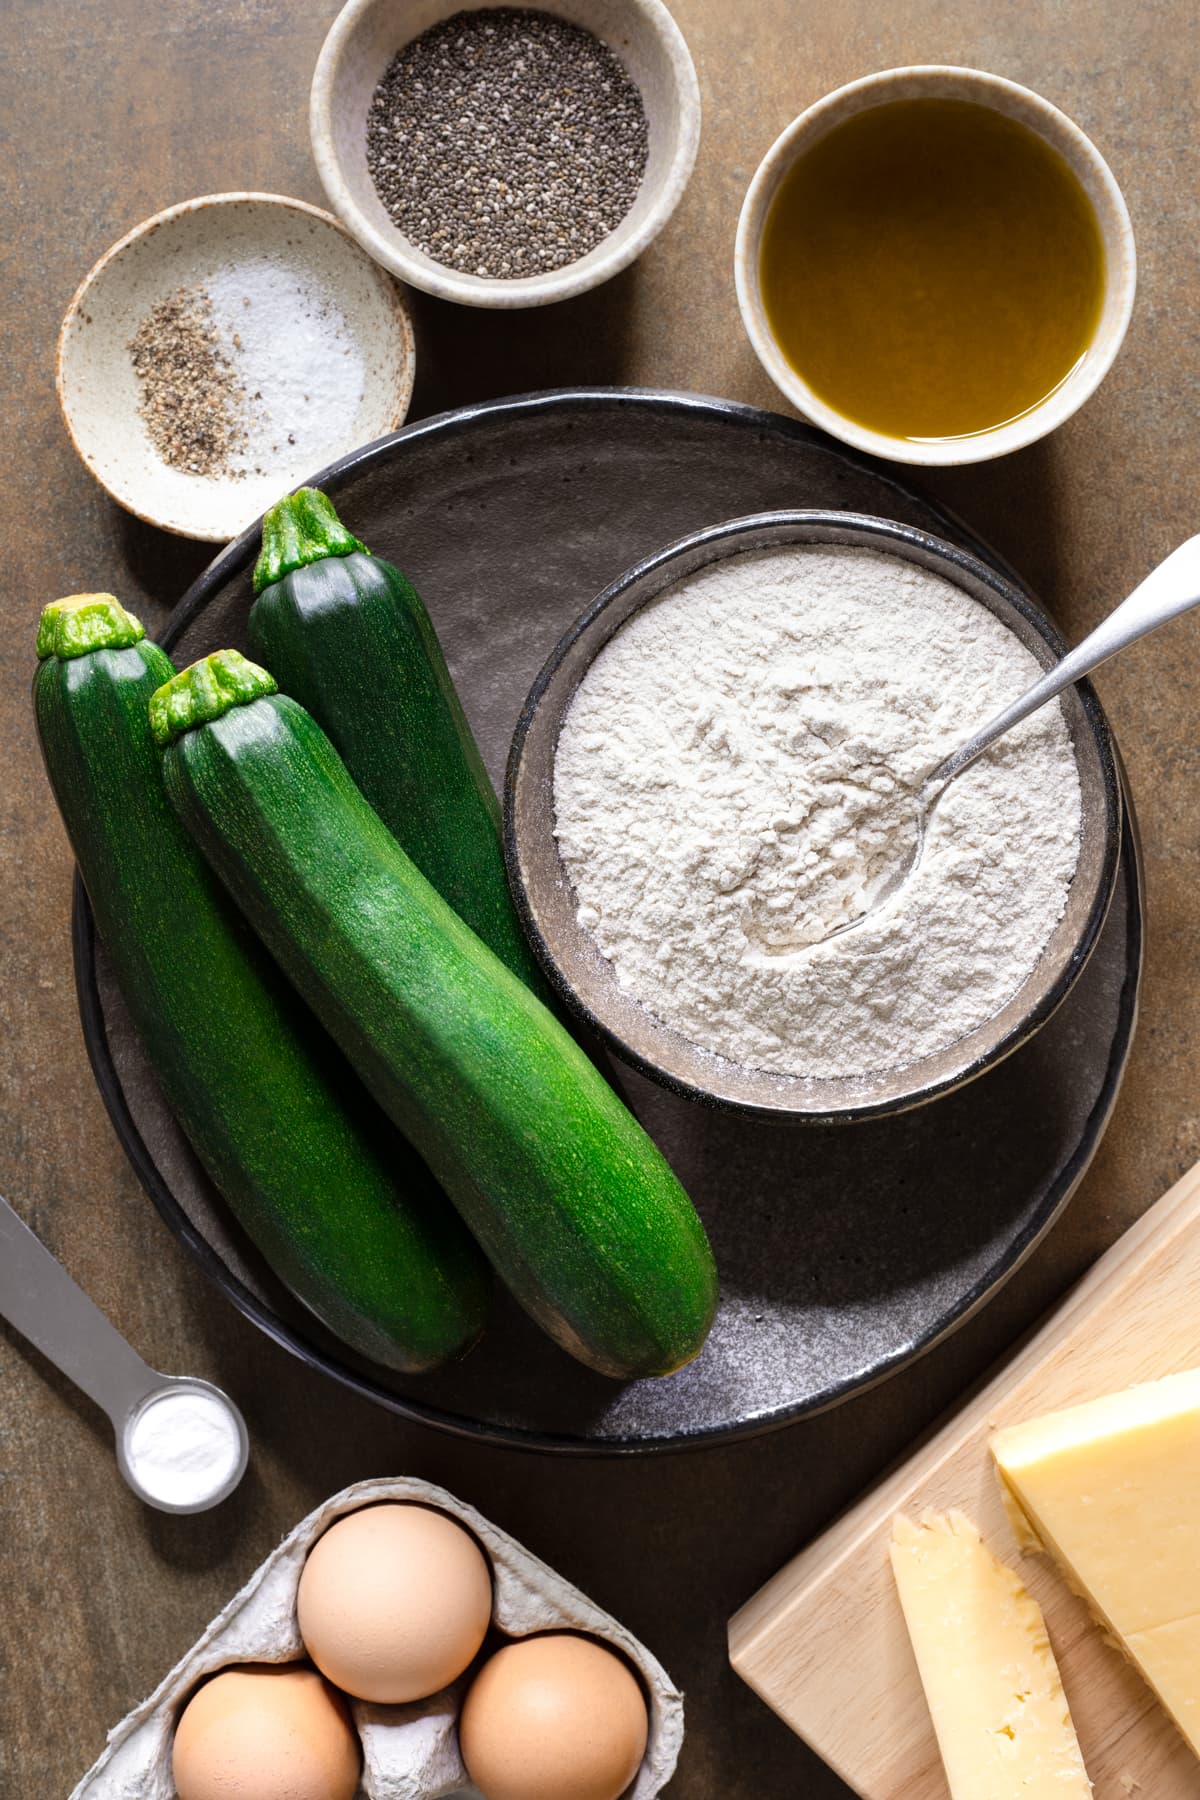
114	112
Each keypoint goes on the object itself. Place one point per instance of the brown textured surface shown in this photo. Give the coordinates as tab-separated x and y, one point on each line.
112	112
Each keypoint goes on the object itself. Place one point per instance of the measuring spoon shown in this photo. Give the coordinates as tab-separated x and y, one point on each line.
56	1316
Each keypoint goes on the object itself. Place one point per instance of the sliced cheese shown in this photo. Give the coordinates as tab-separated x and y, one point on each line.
986	1665
1112	1490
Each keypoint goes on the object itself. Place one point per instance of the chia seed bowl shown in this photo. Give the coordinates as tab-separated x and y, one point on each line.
500	195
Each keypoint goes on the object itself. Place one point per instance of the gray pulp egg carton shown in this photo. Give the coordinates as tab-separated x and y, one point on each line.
409	1752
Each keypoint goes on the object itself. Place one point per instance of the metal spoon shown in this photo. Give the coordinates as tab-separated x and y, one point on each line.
1170	589
56	1316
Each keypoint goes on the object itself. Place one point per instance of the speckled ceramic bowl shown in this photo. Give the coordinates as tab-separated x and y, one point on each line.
362	42
351	331
1062	134
587	980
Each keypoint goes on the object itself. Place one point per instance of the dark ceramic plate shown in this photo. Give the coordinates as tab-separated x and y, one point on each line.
844	1252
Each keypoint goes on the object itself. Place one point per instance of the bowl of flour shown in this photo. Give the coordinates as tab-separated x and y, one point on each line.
719	763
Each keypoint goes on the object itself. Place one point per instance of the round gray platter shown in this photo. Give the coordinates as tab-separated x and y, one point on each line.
844	1252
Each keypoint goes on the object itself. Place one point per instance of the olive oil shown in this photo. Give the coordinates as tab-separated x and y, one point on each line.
932	269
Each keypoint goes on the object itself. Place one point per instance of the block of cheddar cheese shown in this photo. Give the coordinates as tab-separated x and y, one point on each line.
1111	1490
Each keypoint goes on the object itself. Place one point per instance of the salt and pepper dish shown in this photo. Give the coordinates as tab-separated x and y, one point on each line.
182	1444
323	325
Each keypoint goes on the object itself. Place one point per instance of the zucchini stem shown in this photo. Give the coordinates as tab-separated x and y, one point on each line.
81	622
300	529
207	690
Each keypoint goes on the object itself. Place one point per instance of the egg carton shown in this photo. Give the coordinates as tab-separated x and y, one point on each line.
409	1752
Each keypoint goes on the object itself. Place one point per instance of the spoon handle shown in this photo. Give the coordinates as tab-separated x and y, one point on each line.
56	1316
1170	589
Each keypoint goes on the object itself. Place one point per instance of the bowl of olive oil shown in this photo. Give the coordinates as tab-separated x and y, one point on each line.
935	265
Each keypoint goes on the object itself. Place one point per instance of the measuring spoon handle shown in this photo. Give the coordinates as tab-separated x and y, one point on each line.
1169	590
56	1316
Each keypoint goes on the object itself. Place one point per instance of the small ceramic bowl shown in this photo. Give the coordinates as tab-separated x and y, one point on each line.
367	34
318	337
587	981
1015	102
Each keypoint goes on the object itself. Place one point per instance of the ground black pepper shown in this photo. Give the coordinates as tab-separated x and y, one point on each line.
506	142
192	402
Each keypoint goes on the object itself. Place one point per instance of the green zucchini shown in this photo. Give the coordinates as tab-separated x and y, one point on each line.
342	1209
346	634
576	1208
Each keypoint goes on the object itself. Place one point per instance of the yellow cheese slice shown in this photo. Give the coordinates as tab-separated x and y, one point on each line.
1112	1490
986	1665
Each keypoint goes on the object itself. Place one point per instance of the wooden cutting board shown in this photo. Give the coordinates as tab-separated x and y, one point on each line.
824	1642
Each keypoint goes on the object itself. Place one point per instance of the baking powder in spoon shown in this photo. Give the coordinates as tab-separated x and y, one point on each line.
182	1446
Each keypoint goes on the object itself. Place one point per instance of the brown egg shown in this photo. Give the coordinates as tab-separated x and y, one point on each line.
266	1731
553	1718
394	1602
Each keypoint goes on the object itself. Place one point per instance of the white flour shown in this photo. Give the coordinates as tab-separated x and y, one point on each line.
736	772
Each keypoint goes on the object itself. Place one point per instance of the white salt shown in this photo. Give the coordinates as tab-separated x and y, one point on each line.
294	355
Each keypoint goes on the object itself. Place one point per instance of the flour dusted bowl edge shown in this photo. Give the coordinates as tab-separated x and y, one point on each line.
588	982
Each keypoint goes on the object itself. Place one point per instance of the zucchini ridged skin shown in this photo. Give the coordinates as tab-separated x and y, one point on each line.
343	1210
576	1208
349	638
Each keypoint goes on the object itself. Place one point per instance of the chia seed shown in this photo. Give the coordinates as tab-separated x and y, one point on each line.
507	142
192	403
